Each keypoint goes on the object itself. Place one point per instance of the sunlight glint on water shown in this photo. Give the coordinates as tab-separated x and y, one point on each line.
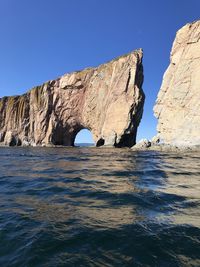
99	207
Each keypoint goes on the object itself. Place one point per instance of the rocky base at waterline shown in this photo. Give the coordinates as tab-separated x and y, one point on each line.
146	145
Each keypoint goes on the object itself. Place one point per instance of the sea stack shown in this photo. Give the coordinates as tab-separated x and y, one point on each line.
108	100
178	103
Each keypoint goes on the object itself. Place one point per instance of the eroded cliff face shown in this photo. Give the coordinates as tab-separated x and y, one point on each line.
107	100
178	103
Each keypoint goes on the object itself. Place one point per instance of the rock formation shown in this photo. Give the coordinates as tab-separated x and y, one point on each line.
143	144
178	103
107	100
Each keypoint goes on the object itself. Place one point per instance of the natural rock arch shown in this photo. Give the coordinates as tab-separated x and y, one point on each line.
107	100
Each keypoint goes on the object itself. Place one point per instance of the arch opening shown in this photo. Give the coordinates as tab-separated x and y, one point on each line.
84	138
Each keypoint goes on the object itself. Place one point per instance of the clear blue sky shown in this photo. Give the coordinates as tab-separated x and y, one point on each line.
43	39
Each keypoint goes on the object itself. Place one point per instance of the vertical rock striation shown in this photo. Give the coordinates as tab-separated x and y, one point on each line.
107	100
178	103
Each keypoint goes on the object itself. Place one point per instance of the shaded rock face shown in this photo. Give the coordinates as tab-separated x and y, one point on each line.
107	100
178	103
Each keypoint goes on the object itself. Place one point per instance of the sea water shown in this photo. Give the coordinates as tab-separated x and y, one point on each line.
99	207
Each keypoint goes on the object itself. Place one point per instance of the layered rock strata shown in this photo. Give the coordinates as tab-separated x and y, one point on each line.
178	103
107	100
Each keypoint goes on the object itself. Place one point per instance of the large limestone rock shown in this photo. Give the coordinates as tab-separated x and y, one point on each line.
178	103
107	100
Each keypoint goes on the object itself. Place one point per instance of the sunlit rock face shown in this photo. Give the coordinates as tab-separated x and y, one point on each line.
178	103
107	100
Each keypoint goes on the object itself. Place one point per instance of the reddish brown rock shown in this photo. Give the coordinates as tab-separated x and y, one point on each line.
107	100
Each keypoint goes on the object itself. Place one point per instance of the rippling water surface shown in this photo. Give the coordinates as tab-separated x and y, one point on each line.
99	207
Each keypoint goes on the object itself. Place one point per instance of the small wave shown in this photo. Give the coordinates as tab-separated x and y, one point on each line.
99	207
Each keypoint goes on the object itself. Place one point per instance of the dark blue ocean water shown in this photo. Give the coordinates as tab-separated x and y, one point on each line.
98	207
